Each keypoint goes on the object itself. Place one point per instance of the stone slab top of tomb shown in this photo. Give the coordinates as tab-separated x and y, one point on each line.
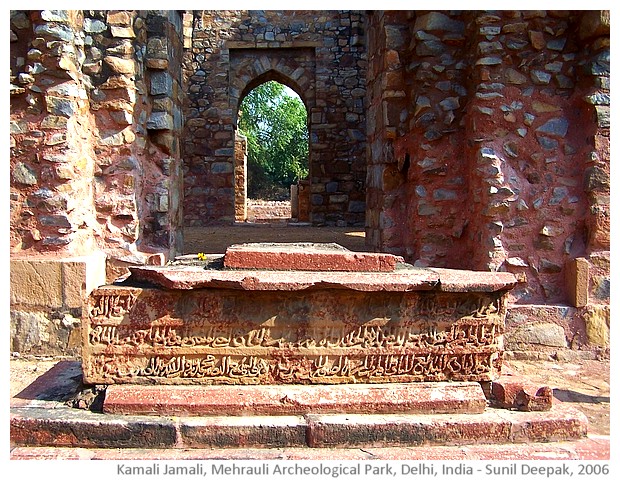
301	266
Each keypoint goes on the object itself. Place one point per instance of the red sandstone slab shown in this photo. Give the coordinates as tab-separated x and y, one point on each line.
589	448
452	280
494	426
77	428
184	277
515	391
71	427
318	257
426	398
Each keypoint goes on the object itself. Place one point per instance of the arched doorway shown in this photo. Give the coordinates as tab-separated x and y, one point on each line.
272	152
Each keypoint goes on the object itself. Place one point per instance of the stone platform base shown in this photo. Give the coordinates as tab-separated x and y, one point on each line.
40	417
242	400
589	448
68	427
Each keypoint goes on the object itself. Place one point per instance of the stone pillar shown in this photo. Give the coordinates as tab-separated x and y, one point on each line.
294	201
164	124
594	31
134	67
386	99
303	200
54	236
241	179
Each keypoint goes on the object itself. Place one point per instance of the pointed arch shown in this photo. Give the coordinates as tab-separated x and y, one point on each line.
293	67
273	75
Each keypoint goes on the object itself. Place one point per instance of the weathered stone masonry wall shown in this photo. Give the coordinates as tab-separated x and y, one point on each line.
416	174
489	149
320	55
94	159
467	139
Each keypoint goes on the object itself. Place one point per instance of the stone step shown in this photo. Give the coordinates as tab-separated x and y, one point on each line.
68	427
588	448
193	400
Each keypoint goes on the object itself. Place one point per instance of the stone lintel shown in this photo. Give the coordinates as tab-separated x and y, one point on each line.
328	257
425	398
232	44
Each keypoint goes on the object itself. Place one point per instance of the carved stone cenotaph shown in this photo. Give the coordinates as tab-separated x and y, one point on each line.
296	314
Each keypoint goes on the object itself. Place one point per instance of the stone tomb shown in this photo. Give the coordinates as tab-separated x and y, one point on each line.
187	324
197	355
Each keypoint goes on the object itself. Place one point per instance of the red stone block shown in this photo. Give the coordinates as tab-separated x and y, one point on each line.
516	392
547	427
241	432
451	280
427	398
307	257
494	426
68	427
402	280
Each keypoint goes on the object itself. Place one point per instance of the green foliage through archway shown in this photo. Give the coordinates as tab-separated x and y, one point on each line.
275	125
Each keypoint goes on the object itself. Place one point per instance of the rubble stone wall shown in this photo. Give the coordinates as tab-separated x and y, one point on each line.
488	142
488	149
95	119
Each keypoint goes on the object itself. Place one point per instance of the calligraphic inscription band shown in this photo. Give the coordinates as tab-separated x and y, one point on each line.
207	336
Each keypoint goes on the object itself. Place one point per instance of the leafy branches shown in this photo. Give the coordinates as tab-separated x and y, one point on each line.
275	125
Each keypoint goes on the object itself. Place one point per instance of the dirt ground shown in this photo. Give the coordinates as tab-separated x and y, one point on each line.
583	384
217	239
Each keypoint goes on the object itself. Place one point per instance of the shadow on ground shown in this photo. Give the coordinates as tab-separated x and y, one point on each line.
578	397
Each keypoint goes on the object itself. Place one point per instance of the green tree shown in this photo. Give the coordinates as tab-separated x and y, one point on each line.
275	124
